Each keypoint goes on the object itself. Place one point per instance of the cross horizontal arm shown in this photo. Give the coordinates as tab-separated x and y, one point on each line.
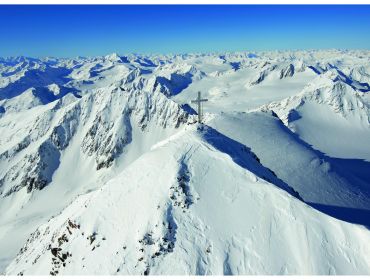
200	100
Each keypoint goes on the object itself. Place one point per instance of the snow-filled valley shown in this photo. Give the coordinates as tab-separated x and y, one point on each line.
104	168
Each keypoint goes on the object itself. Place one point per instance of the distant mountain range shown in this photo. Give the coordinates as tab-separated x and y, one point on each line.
105	170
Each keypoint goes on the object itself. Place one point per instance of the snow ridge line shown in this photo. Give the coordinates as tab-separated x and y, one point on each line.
244	157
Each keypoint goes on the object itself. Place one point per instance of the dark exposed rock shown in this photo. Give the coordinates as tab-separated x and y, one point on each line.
287	72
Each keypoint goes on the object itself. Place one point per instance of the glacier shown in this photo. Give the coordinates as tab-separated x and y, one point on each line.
104	168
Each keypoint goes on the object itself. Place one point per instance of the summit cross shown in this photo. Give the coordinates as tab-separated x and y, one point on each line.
199	101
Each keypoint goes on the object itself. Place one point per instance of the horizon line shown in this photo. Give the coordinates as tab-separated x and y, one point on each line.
185	53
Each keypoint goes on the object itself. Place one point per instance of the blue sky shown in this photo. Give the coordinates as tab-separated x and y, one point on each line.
71	30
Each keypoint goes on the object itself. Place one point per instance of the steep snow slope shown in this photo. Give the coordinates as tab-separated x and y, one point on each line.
329	114
119	131
73	149
329	184
178	210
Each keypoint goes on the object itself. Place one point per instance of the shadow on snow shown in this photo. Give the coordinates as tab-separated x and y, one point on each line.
355	171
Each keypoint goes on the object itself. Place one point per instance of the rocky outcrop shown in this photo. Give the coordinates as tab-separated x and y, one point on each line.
287	71
326	89
32	172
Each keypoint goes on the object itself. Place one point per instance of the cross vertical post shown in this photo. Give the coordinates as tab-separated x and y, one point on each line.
199	108
199	101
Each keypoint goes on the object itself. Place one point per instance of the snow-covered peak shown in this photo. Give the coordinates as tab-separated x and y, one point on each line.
113	57
104	168
179	207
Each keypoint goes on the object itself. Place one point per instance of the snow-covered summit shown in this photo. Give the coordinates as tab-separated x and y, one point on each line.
179	208
105	170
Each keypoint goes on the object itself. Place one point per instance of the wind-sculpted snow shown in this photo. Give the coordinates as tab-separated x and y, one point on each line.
242	156
105	170
319	179
182	204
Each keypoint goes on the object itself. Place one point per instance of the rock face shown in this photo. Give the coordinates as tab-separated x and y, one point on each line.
106	131
104	169
103	118
111	128
261	76
287	72
34	171
268	70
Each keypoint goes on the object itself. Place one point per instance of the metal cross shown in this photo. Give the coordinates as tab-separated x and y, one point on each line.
199	101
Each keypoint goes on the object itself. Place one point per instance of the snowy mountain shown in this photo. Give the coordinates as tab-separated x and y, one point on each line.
104	168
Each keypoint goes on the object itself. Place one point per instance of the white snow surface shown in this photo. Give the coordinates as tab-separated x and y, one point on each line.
105	170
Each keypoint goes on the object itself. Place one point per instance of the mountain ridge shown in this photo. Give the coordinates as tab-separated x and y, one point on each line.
106	153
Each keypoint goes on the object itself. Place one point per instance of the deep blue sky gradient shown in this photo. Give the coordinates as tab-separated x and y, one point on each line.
72	30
